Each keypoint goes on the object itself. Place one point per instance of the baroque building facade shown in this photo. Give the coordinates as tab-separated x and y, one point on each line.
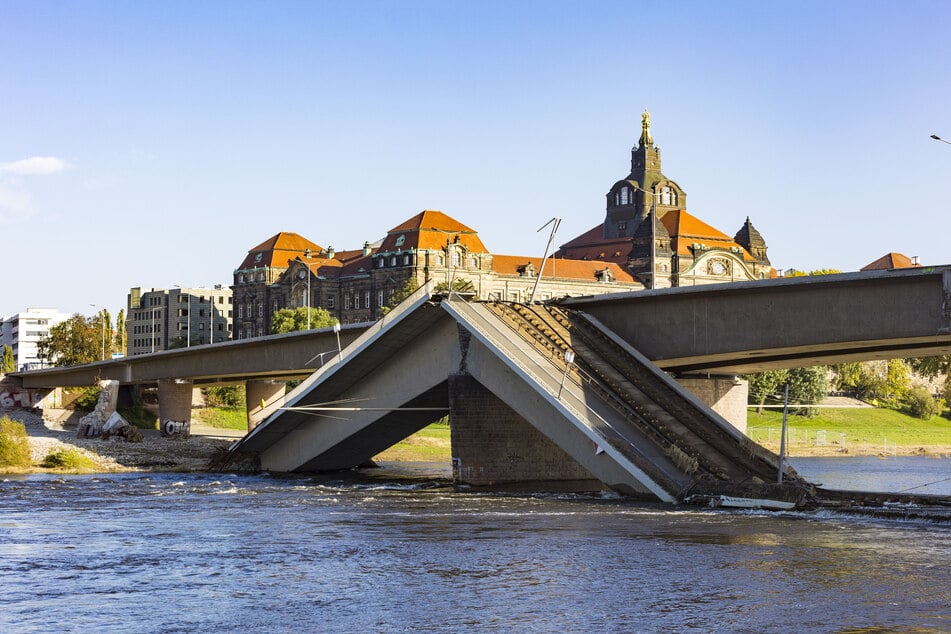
289	271
648	230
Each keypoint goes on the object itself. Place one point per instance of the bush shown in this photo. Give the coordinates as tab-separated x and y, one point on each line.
85	397
14	444
225	396
68	459
921	404
139	416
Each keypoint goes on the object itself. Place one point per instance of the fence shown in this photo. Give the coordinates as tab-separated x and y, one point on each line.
799	437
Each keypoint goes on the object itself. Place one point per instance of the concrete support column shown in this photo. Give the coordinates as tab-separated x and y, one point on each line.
175	407
725	395
261	396
492	446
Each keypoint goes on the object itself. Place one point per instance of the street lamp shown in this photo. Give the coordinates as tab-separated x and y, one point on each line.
937	138
554	222
102	320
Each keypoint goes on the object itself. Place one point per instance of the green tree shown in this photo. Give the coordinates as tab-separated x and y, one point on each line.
848	376
808	386
410	287
9	362
921	404
931	366
824	272
294	319
120	339
766	384
897	381
72	342
225	396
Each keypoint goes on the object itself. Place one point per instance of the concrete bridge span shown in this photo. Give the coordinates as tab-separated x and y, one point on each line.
796	322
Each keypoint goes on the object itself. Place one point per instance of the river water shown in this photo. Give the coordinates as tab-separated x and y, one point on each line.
227	553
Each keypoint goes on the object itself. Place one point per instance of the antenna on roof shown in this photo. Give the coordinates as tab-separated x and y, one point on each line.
554	222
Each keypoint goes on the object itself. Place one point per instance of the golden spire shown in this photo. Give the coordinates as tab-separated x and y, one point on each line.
646	139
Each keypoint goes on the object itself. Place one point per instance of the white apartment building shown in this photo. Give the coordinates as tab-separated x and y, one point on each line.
23	332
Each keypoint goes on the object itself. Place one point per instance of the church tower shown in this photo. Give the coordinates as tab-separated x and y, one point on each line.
645	190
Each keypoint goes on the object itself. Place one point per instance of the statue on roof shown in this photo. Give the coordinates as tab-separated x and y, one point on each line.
646	139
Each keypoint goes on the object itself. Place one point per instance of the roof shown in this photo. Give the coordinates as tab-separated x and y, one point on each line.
890	261
431	229
278	250
558	268
592	245
686	230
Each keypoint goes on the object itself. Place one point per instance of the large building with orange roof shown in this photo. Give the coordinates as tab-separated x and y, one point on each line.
648	231
289	271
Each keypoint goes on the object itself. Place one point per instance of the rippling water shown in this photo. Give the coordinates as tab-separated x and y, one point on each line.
211	553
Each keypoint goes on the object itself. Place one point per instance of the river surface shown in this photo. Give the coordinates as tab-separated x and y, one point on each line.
226	553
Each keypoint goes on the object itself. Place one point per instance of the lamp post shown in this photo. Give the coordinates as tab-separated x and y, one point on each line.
937	138
554	222
653	196
102	320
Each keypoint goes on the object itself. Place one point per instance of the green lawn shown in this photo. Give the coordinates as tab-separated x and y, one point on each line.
430	444
223	417
868	428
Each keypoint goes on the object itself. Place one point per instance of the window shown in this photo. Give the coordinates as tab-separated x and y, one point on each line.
379	263
379	298
406	259
393	261
455	258
346	301
330	302
366	299
472	263
668	196
261	309
439	260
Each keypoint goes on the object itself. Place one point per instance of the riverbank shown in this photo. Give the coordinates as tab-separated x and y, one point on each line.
154	453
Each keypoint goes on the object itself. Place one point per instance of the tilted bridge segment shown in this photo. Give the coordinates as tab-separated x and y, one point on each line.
520	413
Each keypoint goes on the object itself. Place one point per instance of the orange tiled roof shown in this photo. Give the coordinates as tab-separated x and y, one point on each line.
890	261
686	229
558	268
592	245
279	250
431	229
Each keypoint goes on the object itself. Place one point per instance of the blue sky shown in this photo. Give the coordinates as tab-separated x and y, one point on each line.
153	144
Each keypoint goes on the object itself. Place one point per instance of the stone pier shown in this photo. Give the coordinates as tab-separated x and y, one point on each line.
175	407
261	398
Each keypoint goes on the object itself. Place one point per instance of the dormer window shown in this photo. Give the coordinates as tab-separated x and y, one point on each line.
393	260
380	262
406	262
604	275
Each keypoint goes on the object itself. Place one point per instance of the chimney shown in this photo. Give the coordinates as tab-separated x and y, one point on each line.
330	253
366	248
307	253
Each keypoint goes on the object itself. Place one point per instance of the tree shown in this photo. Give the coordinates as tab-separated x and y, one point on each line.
921	404
225	396
766	384
294	319
408	289
9	362
825	272
120	332
931	366
72	342
808	386
848	376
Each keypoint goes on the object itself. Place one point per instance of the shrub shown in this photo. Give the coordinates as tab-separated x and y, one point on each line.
225	396
14	444
139	416
921	404
69	459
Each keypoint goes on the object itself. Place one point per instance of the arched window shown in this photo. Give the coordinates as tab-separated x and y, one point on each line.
624	195
668	196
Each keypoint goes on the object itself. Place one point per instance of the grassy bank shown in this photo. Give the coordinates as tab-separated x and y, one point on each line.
430	444
853	431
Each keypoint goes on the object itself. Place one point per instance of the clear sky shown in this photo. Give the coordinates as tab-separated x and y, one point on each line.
154	143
